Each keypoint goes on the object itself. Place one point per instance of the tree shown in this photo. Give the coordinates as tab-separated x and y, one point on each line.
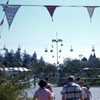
50	69
18	58
34	60
84	59
26	60
41	62
9	59
72	66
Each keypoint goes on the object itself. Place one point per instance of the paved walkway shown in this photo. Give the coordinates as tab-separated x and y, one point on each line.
57	90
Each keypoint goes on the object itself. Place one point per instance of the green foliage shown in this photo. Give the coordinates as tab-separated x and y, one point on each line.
40	68
72	67
11	88
8	92
51	69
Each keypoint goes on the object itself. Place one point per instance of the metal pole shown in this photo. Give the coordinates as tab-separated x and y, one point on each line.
57	40
57	48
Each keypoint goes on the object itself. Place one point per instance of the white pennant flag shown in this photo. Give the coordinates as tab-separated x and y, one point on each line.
90	11
10	11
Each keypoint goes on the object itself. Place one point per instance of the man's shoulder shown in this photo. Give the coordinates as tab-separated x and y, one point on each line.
75	84
71	84
84	87
47	90
49	84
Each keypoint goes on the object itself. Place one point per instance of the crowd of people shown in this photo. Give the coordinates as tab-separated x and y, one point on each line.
73	90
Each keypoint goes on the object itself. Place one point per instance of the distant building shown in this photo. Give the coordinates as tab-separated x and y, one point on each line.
14	70
86	69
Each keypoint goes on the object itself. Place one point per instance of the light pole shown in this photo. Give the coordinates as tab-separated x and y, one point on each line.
57	41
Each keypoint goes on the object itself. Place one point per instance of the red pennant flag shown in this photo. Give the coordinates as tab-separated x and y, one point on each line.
2	21
51	10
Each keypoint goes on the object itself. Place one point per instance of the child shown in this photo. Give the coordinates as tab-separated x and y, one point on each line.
89	93
52	94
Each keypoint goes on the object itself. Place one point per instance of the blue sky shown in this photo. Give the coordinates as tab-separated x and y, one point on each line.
33	28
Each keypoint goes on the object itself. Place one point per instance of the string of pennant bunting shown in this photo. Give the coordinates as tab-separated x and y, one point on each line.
11	10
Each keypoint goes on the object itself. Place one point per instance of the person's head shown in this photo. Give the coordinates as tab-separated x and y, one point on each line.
78	79
80	83
71	78
47	80
88	87
34	77
42	83
49	87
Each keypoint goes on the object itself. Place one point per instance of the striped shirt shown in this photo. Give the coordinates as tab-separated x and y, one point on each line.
71	91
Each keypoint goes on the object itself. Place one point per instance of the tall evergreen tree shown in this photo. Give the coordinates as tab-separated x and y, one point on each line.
34	59
26	60
18	57
41	62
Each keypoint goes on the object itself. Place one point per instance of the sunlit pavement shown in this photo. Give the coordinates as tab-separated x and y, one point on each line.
57	90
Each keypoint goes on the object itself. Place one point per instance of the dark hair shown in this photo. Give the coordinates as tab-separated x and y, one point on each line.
42	83
80	82
88	87
46	78
78	79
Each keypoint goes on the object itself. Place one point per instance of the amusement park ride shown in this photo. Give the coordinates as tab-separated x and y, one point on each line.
57	41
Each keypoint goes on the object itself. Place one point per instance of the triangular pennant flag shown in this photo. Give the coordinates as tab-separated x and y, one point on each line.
51	10
7	2
90	11
10	11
